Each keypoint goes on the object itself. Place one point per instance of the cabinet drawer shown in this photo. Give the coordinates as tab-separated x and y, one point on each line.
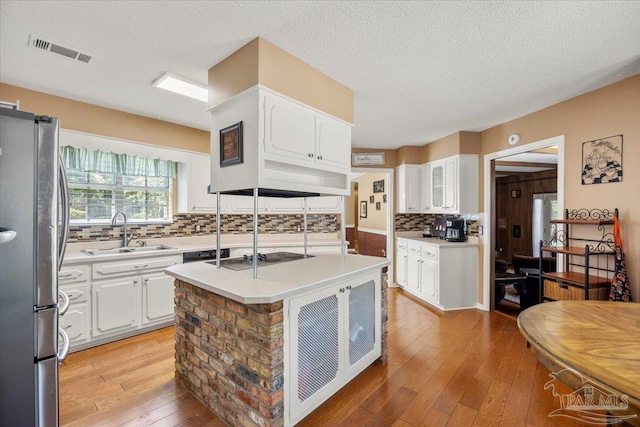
401	245
430	252
76	293
73	274
414	249
75	322
108	269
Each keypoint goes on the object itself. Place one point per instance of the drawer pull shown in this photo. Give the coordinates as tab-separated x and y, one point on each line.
64	275
141	266
563	286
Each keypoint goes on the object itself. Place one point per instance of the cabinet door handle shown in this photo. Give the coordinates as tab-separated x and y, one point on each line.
349	287
135	281
310	154
341	290
319	157
146	280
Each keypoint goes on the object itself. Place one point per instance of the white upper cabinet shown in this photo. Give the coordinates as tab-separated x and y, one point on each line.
297	132
425	177
193	181
333	143
244	204
324	204
408	178
454	184
289	130
443	186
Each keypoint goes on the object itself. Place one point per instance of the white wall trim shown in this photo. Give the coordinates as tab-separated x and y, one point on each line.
372	231
489	189
390	233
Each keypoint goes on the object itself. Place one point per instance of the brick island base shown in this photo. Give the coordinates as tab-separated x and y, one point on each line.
231	357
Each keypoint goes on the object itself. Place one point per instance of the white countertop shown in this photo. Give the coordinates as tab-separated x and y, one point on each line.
74	254
472	241
276	282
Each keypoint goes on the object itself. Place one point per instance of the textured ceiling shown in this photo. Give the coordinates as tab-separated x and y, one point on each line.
419	70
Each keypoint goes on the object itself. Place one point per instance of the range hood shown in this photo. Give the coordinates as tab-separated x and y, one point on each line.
284	148
270	192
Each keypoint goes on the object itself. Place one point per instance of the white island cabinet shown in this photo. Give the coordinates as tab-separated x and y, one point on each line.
334	334
441	273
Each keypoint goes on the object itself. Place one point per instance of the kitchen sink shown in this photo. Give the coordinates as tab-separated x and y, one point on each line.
126	250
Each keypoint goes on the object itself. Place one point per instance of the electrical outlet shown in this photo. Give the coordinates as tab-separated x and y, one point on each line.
197	228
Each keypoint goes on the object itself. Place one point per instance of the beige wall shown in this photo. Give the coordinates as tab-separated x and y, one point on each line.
90	118
262	62
376	220
612	110
450	145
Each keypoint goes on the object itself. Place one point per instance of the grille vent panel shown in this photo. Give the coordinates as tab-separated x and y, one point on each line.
317	346
362	321
46	46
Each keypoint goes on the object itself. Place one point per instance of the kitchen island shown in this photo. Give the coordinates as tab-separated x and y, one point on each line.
268	351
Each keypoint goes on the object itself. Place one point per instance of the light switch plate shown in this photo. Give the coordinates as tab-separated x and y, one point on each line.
480	230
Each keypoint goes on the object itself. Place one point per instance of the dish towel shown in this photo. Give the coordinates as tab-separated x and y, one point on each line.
620	289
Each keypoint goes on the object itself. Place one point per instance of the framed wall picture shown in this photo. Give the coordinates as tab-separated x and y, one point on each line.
371	199
363	209
378	186
602	160
231	145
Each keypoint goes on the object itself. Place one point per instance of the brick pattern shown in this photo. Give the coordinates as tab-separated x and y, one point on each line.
184	225
233	359
416	222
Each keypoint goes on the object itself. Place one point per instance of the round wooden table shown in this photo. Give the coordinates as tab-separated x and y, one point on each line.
594	348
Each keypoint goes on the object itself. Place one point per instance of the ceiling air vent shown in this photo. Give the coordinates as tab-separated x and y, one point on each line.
40	44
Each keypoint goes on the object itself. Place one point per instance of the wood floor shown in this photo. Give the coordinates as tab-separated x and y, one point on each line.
458	368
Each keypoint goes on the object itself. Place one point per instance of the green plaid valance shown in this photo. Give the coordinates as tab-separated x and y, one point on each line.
100	161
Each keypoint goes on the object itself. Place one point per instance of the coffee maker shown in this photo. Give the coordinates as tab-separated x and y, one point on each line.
454	231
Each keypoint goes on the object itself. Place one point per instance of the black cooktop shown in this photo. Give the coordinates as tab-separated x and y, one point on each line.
246	262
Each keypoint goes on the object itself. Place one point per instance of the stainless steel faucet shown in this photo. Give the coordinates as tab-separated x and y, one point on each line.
125	239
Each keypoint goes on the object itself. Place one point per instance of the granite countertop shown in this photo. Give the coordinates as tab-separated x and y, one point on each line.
472	241
74	254
279	281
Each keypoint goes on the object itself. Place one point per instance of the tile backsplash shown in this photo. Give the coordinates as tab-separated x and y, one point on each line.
184	225
416	222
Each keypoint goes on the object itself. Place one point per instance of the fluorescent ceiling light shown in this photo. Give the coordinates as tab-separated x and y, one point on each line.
183	86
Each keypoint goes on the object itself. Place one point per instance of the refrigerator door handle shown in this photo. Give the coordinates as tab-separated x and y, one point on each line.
65	346
64	201
62	309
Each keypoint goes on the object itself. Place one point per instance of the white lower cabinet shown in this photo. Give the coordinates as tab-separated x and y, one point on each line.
334	334
74	281
157	298
402	259
114	299
116	305
445	276
75	322
413	268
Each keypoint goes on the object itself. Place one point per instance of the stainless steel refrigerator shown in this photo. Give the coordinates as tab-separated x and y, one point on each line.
33	224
